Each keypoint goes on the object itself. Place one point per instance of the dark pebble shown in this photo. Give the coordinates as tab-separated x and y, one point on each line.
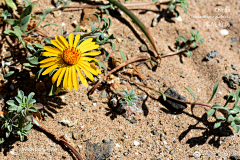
211	55
154	132
143	48
233	39
233	67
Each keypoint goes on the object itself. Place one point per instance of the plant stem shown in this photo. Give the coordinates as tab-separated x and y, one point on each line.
174	53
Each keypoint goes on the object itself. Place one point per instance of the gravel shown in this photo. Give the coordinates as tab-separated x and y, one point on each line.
211	55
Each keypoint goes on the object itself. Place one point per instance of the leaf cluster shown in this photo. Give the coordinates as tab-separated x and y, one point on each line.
19	119
127	97
174	3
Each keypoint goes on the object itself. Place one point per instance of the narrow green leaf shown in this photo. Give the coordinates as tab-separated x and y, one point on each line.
1	140
123	56
8	74
171	7
20	94
67	4
230	97
217	124
48	24
191	92
28	65
12	22
11	4
78	28
214	91
36	122
211	112
221	117
183	39
106	54
11	102
30	96
53	89
189	53
25	13
194	44
24	23
163	95
13	108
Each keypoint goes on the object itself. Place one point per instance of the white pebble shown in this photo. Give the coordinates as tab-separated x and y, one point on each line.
197	154
82	127
76	103
12	152
136	143
117	145
224	32
198	90
94	104
12	87
136	153
63	24
8	63
179	18
219	92
165	142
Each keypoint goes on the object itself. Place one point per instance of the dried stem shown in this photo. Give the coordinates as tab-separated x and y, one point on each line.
174	53
117	68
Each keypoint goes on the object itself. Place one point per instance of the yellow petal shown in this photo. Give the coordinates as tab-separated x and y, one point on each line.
70	38
90	69
60	76
51	49
82	78
88	74
49	60
87	45
89	40
70	84
77	37
50	69
90	48
94	67
59	41
49	54
55	43
64	41
47	64
56	75
92	53
88	59
65	81
74	78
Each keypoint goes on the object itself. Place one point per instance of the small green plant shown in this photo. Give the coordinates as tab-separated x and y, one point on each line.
127	97
174	3
19	119
231	116
191	43
5	14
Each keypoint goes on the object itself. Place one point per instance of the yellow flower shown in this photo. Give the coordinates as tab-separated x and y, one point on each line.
70	59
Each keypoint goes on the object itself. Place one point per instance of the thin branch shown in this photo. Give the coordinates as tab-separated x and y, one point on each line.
174	53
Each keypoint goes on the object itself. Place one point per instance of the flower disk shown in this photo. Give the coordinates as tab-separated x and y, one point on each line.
70	59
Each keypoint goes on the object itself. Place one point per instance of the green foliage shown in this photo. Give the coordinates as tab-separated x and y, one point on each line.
127	97
232	116
174	3
191	92
123	56
195	38
11	4
19	119
5	14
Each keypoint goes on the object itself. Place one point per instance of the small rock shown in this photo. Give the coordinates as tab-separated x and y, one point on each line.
234	39
83	103
172	105
233	67
75	135
154	132
45	114
91	97
117	145
183	75
136	143
211	55
58	3
67	123
179	18
196	154
233	80
12	87
119	40
224	32
234	157
12	152
155	21
143	48
104	94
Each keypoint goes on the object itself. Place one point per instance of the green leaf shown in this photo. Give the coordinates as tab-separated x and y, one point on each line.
38	106
183	39
106	54
36	122
11	4
13	108
8	74
214	91
38	45
105	7
191	92
163	95
11	102
30	96
9	127
136	21
1	140
7	134
113	45
21	137
230	118
217	124
123	56
211	112
233	124
67	4
93	27
237	108
194	44
107	12
47	40
77	29
25	13
230	97
48	24
19	109
221	117
217	106
184	8
191	39
28	65
24	23
236	128
17	32
233	111
189	53
171	7
53	89
20	94
34	61
32	109
176	12
100	64
197	32
12	22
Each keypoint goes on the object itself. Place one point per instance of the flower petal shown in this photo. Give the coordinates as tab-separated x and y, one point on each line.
89	40
56	75
65	80
55	43
70	83
87	45
88	59
74	78
61	75
82	78
77	37
49	54
50	69
90	69
47	64
90	48
94	67
92	53
88	74
48	60
51	49
70	39
59	41
64	41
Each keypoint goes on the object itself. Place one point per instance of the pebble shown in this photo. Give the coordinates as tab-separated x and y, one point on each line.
233	39
58	3
154	132
233	67
233	80
83	103
12	152
183	75
63	24
211	55
119	40
224	32
12	87
155	21
117	145
196	154
104	94
179	18
136	143
67	123
75	23
75	135
143	48
91	97
94	104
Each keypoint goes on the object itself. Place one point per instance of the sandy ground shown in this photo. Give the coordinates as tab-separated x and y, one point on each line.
188	135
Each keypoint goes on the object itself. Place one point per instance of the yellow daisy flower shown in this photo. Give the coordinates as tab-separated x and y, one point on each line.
70	59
